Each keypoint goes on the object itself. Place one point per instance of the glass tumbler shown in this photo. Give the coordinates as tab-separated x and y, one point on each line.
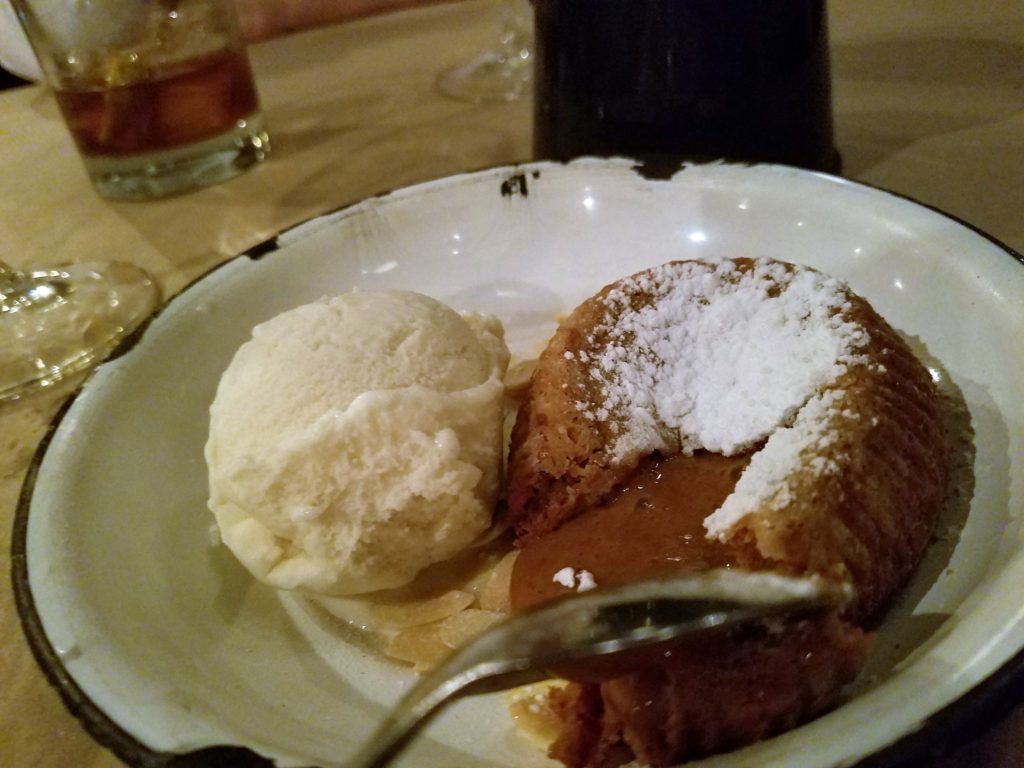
157	94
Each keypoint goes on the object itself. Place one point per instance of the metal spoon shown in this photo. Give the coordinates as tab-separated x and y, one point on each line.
526	647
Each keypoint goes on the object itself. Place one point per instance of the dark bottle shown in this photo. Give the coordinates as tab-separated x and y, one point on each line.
702	79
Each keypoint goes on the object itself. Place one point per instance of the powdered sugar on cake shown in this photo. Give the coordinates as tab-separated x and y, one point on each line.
764	483
723	360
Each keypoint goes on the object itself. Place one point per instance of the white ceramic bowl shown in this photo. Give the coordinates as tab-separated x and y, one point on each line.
162	644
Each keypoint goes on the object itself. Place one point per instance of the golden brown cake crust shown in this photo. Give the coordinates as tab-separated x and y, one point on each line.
559	462
858	504
872	519
710	696
868	521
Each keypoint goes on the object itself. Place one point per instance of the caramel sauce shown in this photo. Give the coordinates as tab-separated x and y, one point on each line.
702	693
651	527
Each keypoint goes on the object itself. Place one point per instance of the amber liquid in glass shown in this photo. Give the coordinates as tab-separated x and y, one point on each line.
184	103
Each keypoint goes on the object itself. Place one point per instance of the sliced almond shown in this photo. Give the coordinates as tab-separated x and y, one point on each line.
459	629
417	612
518	376
495	594
422	646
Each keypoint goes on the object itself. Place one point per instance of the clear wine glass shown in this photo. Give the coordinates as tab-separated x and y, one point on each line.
59	321
501	73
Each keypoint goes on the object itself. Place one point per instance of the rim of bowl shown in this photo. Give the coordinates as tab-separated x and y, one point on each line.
957	722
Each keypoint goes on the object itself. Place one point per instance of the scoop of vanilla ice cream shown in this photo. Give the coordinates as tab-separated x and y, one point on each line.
358	439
